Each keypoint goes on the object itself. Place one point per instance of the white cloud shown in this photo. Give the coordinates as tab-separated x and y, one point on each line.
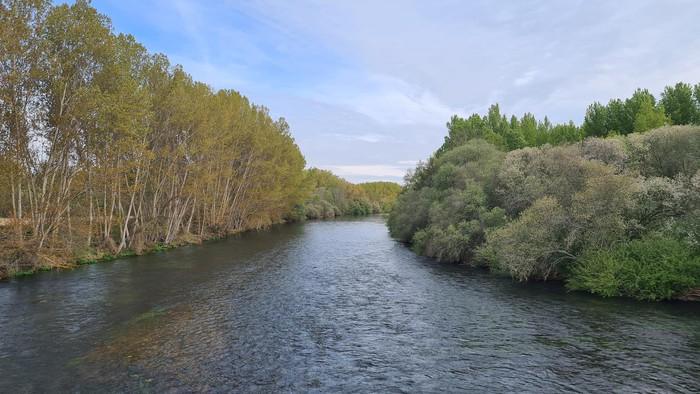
372	170
525	79
385	99
375	82
453	55
370	138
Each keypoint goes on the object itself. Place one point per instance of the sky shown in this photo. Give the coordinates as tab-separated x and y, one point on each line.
368	86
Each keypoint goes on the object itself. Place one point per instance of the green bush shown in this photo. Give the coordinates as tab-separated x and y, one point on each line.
667	151
531	247
411	213
359	208
540	212
652	268
450	244
297	214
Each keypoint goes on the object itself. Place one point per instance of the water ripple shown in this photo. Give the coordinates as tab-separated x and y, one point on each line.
330	307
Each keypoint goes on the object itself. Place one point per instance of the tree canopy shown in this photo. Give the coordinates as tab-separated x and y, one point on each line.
679	105
332	196
107	149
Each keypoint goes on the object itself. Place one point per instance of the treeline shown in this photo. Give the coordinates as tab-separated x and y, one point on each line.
679	105
106	148
616	216
332	196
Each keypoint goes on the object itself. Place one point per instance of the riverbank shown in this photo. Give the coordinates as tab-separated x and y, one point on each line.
29	263
19	262
616	217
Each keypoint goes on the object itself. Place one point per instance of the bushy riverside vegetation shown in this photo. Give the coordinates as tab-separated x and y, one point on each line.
611	207
332	196
108	150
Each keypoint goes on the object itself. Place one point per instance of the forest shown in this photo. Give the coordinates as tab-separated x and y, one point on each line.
331	196
108	150
611	207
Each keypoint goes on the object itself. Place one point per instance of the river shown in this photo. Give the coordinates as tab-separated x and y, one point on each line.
327	307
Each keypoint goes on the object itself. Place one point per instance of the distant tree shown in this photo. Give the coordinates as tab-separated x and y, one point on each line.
620	119
514	123
639	98
679	104
461	130
513	139
563	133
648	117
595	123
543	131
528	127
696	94
495	120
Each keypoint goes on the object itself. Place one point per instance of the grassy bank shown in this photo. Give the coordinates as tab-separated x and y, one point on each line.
21	261
28	264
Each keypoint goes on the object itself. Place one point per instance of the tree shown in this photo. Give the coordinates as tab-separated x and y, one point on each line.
106	149
639	98
648	117
20	112
620	117
595	123
679	104
528	127
696	95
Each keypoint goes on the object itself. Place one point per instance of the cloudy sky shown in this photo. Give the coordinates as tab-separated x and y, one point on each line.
368	86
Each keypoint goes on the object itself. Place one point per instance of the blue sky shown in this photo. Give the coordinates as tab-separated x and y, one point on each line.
367	86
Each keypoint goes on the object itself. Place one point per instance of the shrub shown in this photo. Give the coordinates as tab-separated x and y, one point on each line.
531	247
651	268
297	214
658	200
531	173
478	160
533	212
359	208
667	151
451	244
607	150
599	211
411	213
456	205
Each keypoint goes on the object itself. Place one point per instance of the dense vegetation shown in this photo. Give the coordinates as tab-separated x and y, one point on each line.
107	150
332	196
617	216
679	105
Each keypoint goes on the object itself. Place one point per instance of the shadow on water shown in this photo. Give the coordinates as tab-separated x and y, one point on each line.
329	306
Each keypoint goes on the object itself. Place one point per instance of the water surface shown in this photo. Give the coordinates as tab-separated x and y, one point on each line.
326	307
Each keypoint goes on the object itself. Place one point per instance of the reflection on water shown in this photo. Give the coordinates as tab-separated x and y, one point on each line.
329	306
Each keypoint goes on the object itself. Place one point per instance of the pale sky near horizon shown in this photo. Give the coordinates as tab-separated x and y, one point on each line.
367	86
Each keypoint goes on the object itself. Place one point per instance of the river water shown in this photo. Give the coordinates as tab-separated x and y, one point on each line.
328	307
